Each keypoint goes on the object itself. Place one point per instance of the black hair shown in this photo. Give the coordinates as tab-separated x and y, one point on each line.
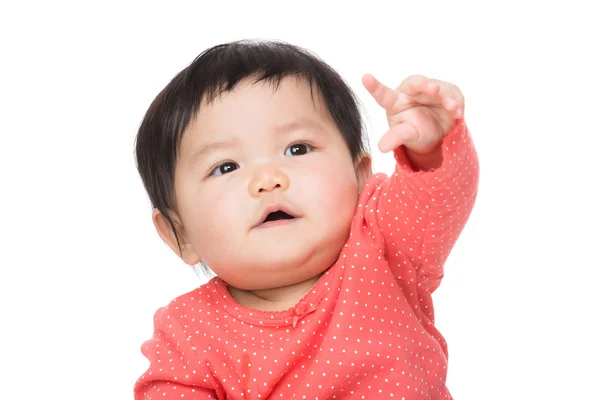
216	71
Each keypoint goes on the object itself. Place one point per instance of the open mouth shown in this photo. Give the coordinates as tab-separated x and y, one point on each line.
277	216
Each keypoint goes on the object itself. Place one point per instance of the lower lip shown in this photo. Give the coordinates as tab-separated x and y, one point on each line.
280	222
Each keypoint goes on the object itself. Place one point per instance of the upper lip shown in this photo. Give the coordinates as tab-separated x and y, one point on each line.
273	208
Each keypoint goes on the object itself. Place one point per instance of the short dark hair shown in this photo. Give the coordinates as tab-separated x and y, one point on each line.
218	70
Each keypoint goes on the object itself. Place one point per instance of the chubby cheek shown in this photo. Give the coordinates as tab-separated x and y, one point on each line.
214	221
338	196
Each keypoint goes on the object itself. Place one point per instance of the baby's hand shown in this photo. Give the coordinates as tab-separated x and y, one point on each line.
420	112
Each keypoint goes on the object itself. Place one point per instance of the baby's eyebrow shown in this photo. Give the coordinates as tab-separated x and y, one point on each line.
302	122
210	147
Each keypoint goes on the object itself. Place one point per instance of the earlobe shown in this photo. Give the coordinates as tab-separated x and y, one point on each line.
363	169
183	249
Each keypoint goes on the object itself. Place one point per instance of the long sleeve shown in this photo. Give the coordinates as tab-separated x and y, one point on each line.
174	372
419	215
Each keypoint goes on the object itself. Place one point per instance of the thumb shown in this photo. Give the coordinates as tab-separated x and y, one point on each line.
398	135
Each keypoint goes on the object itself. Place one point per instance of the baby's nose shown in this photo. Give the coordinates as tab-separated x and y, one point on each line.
267	179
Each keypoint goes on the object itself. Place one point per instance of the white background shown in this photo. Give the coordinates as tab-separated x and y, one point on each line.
82	270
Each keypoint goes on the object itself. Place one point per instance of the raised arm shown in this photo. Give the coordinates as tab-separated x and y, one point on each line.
420	211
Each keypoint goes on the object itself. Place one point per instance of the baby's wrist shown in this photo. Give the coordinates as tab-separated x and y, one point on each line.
425	161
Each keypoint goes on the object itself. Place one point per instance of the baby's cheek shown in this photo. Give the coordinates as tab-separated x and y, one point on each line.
211	222
342	200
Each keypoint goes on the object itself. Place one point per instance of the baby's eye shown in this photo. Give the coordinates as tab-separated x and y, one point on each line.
298	149
224	168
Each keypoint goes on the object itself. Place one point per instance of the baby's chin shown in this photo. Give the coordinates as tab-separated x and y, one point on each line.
276	271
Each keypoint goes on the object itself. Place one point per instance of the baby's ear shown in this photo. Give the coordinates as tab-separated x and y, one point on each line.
363	169
184	248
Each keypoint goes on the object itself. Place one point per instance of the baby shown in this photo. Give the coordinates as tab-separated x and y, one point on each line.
254	159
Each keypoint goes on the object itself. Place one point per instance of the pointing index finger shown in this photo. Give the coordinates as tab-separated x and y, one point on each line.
387	98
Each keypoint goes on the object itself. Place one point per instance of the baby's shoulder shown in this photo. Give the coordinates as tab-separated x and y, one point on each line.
370	186
197	301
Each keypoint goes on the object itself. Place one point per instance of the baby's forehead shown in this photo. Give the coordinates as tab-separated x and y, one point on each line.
260	111
251	99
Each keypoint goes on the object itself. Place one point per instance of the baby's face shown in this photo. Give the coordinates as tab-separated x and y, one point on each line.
253	151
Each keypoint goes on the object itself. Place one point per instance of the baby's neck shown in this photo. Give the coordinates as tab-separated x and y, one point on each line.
276	299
